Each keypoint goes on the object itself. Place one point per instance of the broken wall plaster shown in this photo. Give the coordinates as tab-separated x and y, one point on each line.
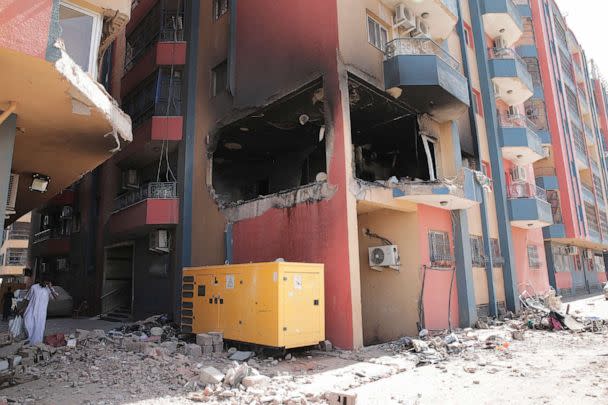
310	193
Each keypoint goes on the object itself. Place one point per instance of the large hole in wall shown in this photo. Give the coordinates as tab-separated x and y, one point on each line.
386	138
278	148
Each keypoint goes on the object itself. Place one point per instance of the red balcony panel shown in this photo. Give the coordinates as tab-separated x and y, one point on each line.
52	247
139	12
145	215
166	128
65	198
171	53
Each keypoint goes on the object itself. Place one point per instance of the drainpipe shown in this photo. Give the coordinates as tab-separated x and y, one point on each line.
498	174
483	207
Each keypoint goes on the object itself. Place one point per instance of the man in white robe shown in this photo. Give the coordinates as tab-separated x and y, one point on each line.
35	314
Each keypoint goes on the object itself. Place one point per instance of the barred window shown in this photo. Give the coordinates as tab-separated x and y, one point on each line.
16	257
533	258
497	258
439	248
477	254
591	215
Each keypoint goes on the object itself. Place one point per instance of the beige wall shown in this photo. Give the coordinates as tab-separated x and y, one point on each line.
390	298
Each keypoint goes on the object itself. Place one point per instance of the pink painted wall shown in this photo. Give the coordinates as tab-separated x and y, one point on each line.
270	61
437	282
24	25
538	278
563	280
601	277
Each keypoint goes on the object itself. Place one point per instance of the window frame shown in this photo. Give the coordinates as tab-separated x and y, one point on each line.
468	36
478	102
214	88
478	258
380	27
217	13
533	264
95	35
442	258
497	259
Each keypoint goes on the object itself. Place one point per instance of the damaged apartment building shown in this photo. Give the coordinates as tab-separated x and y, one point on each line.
393	143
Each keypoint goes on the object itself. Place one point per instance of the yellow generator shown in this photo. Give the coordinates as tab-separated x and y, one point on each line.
277	304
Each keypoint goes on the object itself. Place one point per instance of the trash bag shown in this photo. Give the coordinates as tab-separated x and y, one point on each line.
16	328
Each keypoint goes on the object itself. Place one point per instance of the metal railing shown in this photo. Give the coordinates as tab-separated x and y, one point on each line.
595	168
521	121
18	234
419	46
160	24
568	79
582	98
153	190
522	189
589	133
508	53
52	233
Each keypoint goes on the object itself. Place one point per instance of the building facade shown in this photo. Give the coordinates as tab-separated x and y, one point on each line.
14	250
412	147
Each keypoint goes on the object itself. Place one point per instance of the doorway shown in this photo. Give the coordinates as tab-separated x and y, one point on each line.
117	292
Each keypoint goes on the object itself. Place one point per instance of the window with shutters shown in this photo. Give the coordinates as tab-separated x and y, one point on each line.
533	258
439	248
591	216
377	35
560	32
477	254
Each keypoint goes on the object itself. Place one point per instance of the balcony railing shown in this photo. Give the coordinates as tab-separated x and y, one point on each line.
18	234
595	168
589	134
153	190
588	192
568	79
419	46
53	233
522	189
507	53
159	95
522	121
160	24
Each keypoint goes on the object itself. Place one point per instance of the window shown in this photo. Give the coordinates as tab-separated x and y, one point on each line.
598	262
377	35
477	251
2	259
220	7
439	248
81	33
497	258
430	147
219	78
478	103
19	231
533	259
468	36
591	215
16	257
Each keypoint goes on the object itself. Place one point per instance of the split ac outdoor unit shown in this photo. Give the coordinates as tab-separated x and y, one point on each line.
404	18
130	179
384	256
518	173
13	182
519	190
588	254
159	241
546	151
571	250
500	43
497	92
66	212
421	30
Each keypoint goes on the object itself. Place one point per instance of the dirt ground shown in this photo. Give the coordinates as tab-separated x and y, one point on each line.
544	368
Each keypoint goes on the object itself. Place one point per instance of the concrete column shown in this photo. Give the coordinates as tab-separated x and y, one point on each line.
7	143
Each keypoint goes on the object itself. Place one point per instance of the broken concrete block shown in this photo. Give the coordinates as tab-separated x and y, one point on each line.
211	375
218	337
218	347
169	346
82	334
193	350
204	339
255	381
235	375
207	350
4	365
232	350
326	346
71	342
241	356
419	345
341	398
156	331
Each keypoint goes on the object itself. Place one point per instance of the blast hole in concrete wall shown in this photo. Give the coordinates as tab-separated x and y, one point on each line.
278	148
386	139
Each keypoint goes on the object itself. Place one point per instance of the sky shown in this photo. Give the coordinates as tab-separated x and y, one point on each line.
587	20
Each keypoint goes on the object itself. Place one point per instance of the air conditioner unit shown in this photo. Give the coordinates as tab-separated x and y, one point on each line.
421	30
518	173
404	18
571	250
588	254
519	190
384	256
160	241
66	212
500	43
13	182
497	92
130	179
546	151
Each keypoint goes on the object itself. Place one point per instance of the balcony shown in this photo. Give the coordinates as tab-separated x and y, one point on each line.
595	168
501	18
555	231
546	177
510	76
462	193
520	144
423	74
528	206
157	39
51	242
139	211
523	7
567	78
155	109
442	15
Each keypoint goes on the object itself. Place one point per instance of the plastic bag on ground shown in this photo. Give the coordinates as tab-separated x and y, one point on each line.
16	328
